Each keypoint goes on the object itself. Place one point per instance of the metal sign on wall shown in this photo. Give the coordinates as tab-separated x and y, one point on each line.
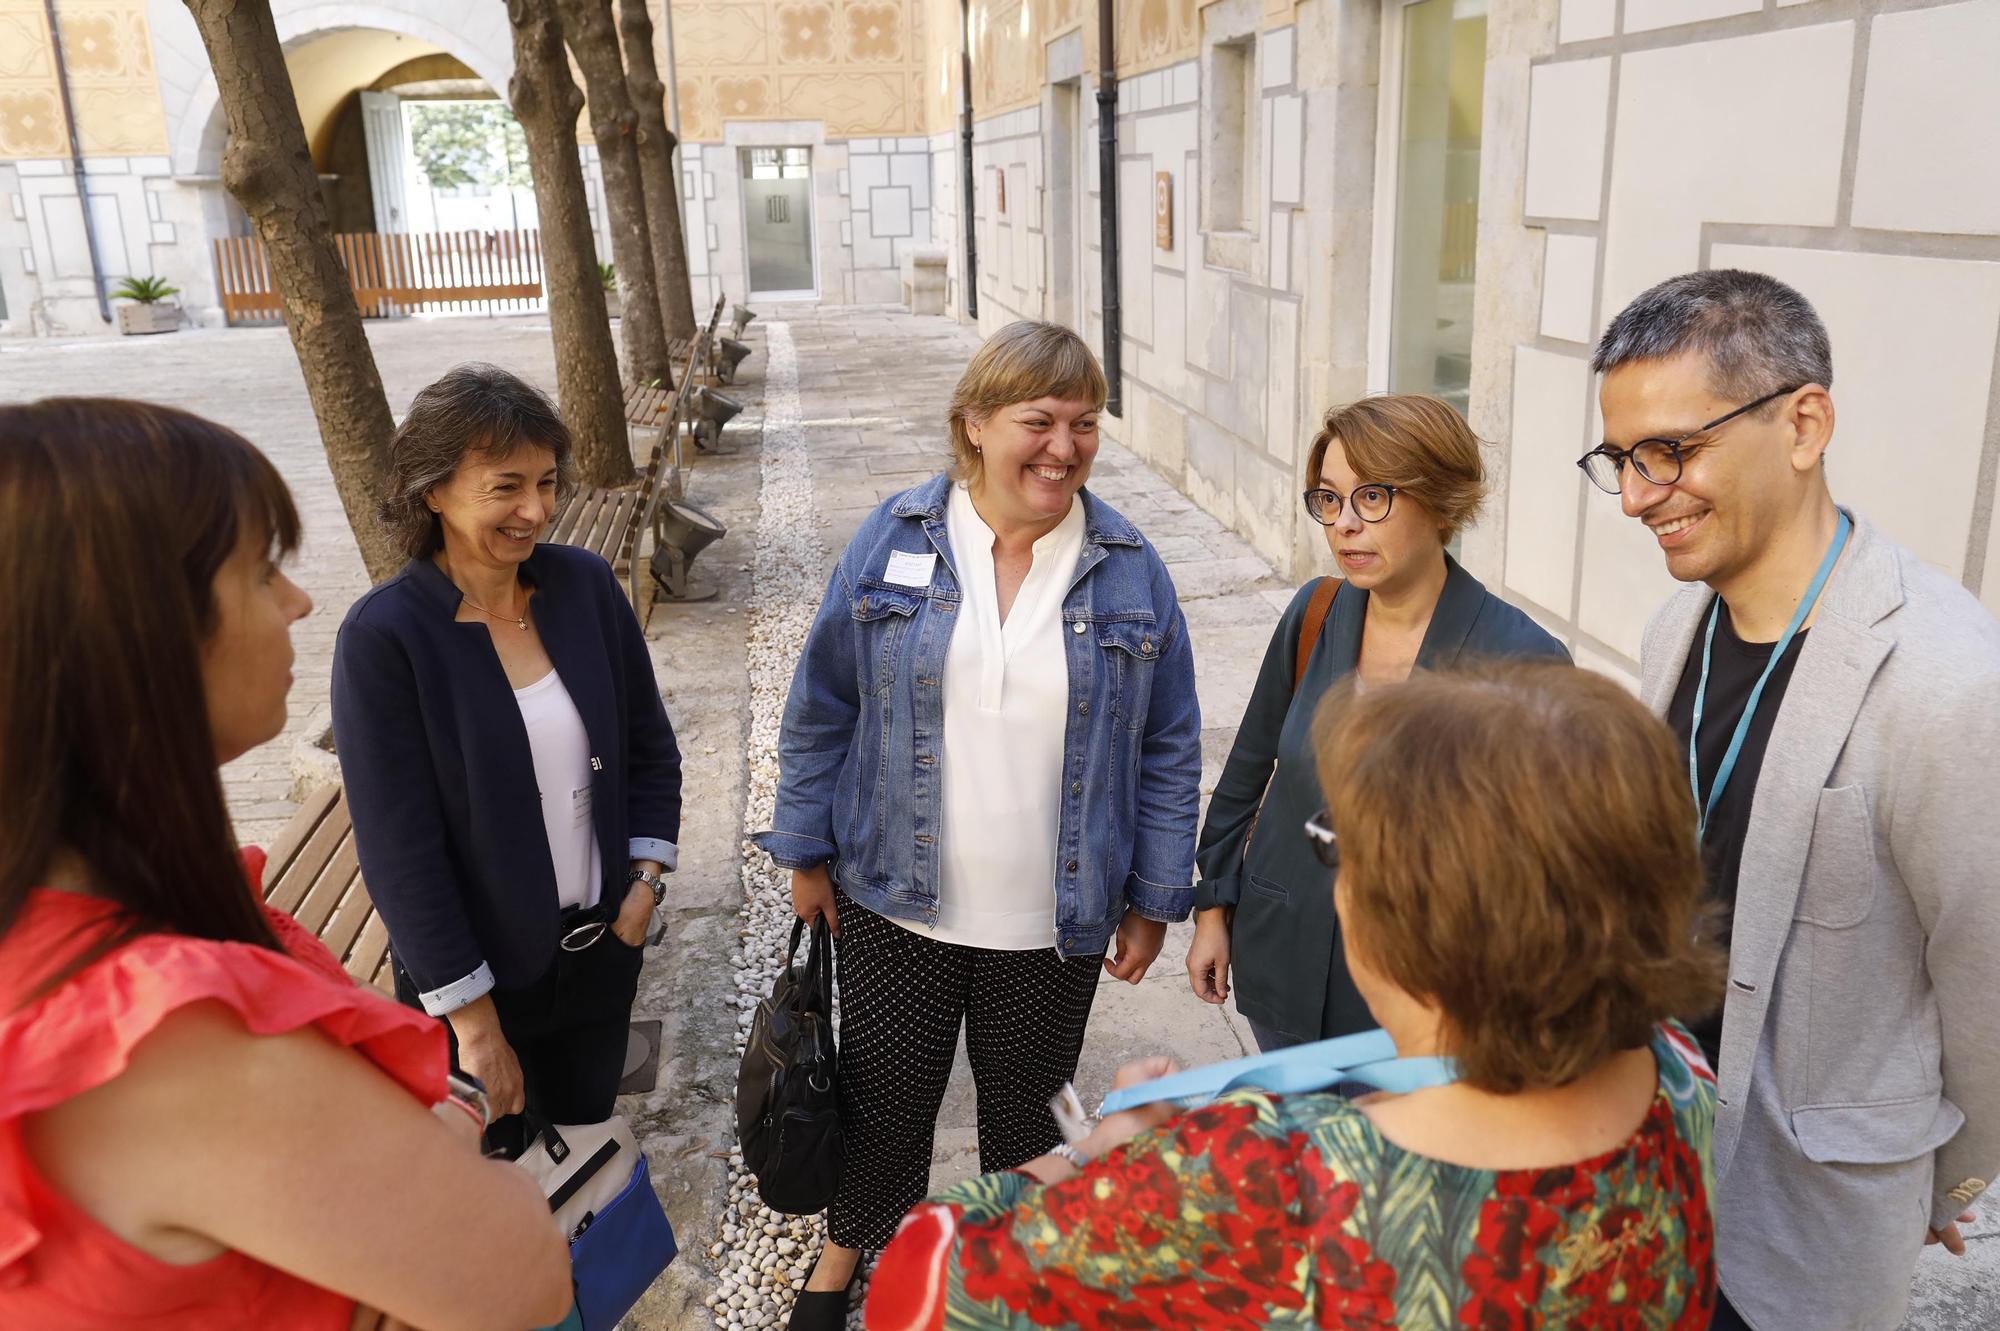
1163	210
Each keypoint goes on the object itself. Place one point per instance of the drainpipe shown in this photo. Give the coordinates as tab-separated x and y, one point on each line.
971	275
1107	201
76	164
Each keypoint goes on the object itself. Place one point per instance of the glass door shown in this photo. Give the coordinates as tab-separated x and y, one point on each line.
1434	76
777	221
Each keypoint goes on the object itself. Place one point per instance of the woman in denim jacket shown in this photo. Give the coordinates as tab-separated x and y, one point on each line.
988	776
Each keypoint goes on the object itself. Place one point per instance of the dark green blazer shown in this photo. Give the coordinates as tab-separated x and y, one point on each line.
1285	956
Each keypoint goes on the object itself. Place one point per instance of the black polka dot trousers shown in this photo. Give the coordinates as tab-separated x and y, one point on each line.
903	997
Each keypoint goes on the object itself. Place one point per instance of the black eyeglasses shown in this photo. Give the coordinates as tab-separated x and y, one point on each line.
1371	503
1324	843
1658	460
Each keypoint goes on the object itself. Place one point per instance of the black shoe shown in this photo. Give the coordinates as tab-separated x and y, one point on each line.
821	1309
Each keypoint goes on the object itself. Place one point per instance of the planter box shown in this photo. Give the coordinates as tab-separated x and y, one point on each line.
161	317
614	303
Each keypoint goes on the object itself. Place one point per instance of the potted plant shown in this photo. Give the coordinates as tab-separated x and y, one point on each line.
614	302
150	310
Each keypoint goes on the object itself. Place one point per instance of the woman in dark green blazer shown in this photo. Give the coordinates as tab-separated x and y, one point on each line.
1391	480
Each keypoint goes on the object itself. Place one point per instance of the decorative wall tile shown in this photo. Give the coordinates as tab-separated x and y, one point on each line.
1585	20
874	32
1551	402
1569	277
1646	15
108	49
1743	130
1930	122
1567	110
805	34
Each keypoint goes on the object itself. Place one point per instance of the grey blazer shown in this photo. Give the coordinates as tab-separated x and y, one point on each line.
1859	1099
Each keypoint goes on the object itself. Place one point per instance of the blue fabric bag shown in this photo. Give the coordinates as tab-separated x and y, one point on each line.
620	1251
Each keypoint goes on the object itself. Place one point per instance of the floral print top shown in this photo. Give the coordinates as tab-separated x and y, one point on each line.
1292	1211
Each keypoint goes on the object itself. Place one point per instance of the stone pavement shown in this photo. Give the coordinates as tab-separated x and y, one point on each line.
872	388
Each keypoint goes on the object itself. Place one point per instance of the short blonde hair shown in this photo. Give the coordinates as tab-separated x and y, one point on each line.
1416	443
1518	848
1024	361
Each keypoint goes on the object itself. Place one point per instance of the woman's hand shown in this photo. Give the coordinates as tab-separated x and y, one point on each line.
483	1052
634	915
1208	955
812	897
1139	941
1126	1124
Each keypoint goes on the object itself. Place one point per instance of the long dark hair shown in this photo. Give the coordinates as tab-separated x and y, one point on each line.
114	519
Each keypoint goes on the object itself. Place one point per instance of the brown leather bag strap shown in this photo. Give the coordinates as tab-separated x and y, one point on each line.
1317	610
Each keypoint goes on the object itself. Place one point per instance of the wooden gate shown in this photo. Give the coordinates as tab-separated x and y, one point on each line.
426	272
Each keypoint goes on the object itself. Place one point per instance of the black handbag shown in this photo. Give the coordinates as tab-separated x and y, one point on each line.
787	1106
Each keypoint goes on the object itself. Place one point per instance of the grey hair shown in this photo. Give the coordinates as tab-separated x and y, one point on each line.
472	408
1757	334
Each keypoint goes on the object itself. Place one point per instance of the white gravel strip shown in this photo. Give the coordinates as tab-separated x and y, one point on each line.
763	1256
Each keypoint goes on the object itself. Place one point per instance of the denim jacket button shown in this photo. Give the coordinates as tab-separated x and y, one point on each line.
1146	645
1076	787
1071	866
1083	709
1076	627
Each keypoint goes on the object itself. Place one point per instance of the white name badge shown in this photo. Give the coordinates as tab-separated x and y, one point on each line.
909	570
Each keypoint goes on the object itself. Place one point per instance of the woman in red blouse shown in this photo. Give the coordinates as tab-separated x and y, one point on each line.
1518	890
201	1117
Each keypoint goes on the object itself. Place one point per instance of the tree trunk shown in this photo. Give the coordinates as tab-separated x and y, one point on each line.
269	170
656	168
593	39
546	101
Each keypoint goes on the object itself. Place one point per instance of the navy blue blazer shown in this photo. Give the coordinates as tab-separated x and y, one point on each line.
441	782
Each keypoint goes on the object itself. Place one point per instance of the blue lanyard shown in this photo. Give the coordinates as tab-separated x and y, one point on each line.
1368	1058
1728	767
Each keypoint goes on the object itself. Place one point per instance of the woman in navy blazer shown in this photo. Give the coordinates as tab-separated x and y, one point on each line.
513	779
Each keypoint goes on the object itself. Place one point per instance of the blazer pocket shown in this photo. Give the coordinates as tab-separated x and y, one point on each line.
1838	889
1885	1133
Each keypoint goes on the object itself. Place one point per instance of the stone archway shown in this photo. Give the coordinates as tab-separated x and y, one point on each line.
475	31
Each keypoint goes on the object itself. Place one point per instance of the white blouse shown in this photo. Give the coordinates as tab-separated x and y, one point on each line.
1006	704
561	749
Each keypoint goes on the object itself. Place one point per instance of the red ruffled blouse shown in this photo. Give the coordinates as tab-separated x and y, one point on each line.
59	1269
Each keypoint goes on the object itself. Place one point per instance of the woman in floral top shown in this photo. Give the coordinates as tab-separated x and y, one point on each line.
1518	889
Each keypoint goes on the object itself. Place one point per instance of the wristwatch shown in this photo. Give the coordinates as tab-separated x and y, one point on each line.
652	880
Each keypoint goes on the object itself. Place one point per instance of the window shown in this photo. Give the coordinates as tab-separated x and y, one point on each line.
779	163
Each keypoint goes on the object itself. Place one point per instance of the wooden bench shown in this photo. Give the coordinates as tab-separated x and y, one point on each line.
645	405
313	875
605	520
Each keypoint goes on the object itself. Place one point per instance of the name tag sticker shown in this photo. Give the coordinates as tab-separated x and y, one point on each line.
909	570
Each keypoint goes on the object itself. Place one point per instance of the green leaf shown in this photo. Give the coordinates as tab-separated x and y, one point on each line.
145	290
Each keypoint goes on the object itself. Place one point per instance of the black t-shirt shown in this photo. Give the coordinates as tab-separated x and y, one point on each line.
1733	671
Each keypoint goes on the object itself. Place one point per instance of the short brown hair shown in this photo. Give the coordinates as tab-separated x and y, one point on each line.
470	408
1026	360
1518	848
1418	444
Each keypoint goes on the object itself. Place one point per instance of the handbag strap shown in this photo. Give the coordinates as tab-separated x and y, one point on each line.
1317	610
1368	1058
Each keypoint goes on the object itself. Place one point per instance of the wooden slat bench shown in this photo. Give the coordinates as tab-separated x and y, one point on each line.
313	875
646	406
606	520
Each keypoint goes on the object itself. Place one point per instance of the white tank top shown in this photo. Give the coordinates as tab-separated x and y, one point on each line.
561	748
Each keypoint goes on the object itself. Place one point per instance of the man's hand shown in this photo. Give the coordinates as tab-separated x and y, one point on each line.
634	914
1139	941
483	1052
812	897
1953	1241
1208	955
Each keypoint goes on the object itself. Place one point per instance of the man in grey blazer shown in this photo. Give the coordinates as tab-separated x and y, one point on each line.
1840	701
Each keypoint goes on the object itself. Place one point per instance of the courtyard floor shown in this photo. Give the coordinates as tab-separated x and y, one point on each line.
868	397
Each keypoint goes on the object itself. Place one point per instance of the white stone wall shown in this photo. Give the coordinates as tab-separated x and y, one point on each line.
1012	262
1845	146
887	184
147	226
704	240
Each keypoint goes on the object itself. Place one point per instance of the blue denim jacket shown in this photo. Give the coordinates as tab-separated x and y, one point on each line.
858	758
